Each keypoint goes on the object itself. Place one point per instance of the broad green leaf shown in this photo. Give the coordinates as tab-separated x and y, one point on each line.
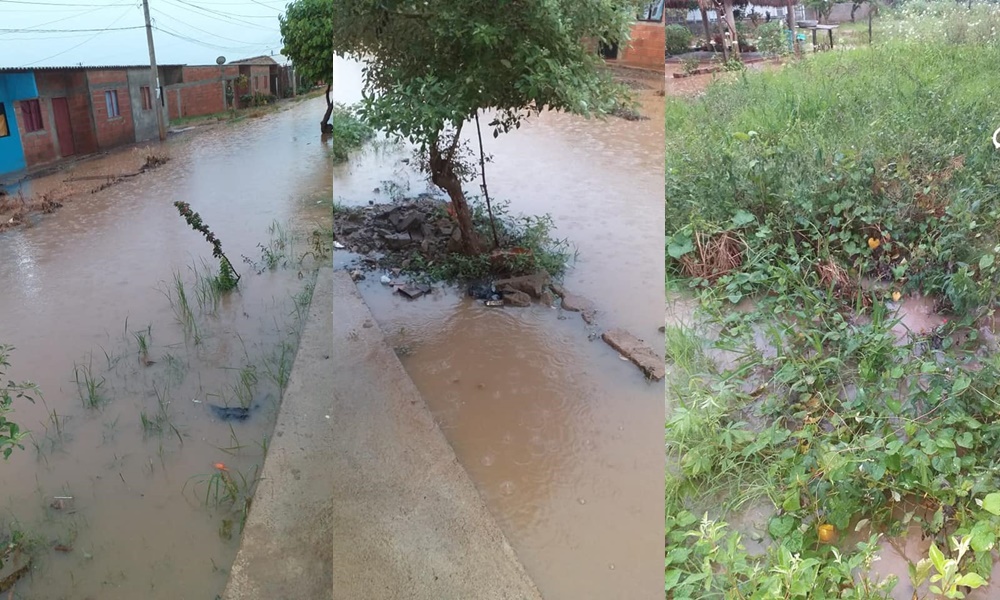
991	503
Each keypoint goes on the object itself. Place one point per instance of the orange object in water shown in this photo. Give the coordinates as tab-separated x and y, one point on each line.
220	466
827	533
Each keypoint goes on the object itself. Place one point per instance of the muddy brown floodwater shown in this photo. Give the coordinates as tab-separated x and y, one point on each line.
82	289
561	437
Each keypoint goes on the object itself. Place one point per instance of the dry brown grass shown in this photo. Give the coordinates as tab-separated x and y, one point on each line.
714	255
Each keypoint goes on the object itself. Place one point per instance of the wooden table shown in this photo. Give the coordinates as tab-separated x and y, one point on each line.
827	28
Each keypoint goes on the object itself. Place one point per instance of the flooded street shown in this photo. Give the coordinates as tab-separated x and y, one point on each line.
561	437
91	297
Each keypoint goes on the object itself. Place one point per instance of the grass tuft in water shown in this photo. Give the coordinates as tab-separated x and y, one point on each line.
88	385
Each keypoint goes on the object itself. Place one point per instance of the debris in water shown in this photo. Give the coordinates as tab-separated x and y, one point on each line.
357	275
220	466
633	349
385	280
15	566
230	413
338	245
62	548
494	303
413	291
62	502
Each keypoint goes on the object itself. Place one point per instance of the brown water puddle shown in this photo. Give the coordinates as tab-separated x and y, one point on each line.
562	438
79	286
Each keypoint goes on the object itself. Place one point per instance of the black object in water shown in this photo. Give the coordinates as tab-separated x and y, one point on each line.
230	413
485	291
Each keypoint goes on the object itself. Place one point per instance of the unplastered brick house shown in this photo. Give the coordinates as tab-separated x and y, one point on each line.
49	114
647	37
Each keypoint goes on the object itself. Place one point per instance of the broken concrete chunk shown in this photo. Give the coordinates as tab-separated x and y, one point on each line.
516	298
533	284
411	221
397	241
413	291
576	303
636	351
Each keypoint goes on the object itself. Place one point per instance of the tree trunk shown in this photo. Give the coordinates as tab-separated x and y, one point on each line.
704	22
722	32
443	175
790	17
727	5
325	125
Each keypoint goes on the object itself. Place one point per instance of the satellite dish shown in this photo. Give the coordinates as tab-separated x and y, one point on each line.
221	60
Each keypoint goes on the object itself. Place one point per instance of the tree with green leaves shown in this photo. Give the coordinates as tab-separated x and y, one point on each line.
431	66
307	33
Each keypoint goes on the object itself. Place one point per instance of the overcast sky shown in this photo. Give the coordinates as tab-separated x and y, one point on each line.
71	32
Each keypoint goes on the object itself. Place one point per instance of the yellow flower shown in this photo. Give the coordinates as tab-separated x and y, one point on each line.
874	243
896	296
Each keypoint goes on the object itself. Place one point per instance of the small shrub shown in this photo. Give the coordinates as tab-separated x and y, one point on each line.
678	39
772	39
349	131
690	65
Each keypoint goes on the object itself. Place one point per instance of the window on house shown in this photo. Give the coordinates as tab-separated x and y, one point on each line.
147	98
652	12
4	129
111	100
31	111
256	83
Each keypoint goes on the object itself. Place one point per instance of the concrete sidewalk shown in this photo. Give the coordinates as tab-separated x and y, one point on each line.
406	522
361	496
285	550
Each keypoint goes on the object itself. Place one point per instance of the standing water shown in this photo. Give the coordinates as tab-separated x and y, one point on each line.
561	437
132	485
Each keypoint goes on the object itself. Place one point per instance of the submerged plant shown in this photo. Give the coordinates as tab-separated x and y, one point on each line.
228	278
10	432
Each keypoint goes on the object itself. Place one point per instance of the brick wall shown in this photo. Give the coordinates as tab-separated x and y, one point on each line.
71	85
111	131
38	145
264	81
645	49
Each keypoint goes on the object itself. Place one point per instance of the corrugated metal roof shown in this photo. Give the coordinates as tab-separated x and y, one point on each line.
79	68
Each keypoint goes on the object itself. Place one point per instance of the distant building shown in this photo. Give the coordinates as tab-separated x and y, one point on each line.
645	48
48	114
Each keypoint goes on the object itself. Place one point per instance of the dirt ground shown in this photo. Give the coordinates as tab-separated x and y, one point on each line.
696	84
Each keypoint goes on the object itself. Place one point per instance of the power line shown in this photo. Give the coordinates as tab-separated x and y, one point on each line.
191	40
64	4
207	12
172	18
99	32
86	12
69	30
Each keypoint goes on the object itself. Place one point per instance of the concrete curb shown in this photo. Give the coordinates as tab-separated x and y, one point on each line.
285	550
406	522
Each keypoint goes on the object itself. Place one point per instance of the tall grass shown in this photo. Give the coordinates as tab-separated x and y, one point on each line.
833	150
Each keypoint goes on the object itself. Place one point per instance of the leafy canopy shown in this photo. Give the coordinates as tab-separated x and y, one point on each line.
432	63
306	31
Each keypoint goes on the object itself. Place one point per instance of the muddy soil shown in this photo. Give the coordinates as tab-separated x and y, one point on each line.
695	85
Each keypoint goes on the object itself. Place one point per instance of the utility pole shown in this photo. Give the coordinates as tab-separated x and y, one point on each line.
155	84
